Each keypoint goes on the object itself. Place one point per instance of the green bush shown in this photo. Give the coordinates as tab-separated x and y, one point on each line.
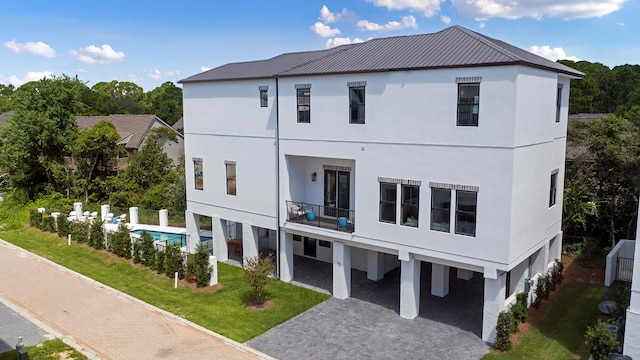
35	218
201	265
63	226
79	231
173	260
147	250
160	261
50	223
556	272
548	286
120	242
539	292
519	309
256	274
503	331
599	340
96	234
137	258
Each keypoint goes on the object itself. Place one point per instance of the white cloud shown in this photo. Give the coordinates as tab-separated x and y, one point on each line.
324	30
134	78
37	48
97	55
407	22
329	17
563	9
427	7
30	76
445	19
342	41
204	68
482	25
156	74
550	53
82	70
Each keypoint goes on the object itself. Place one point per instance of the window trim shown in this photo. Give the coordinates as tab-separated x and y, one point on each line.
458	212
473	121
553	188
305	89
394	202
264	96
229	179
197	175
360	106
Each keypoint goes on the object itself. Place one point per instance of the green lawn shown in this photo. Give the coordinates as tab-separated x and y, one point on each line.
223	312
560	334
48	350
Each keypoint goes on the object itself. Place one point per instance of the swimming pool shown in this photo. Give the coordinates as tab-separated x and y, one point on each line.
169	238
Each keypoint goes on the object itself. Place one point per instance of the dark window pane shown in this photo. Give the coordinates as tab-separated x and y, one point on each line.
197	173
466	204
304	105
231	179
468	104
356	105
410	205
553	189
388	193
264	98
558	103
440	209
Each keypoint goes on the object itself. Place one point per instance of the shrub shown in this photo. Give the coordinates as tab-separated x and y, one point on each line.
49	223
136	253
599	340
539	292
503	331
521	299
556	273
63	226
79	231
120	242
256	274
147	250
518	312
172	260
35	218
201	265
96	235
160	261
548	286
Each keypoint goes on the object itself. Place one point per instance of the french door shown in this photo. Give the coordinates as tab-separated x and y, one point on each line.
336	193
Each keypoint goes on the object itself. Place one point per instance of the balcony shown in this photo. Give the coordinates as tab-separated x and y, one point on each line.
321	216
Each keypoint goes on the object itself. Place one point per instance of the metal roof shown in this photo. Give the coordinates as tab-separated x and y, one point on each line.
452	47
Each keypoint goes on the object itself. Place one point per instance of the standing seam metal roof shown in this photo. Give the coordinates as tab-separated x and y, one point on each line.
452	47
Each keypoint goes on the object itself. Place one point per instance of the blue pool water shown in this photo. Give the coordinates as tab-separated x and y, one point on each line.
170	238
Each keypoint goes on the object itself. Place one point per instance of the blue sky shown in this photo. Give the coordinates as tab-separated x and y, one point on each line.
150	42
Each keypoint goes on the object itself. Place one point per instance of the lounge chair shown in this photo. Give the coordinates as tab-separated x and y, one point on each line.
72	216
93	215
122	218
108	218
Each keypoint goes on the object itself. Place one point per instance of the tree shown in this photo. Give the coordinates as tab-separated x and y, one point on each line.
96	151
126	97
40	130
256	274
6	91
166	102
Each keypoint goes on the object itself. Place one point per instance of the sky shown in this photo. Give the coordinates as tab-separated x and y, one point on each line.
149	42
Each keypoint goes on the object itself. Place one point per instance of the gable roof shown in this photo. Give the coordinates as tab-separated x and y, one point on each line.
131	128
179	124
452	47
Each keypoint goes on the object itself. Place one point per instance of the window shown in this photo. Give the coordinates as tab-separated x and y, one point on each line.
356	105
304	105
468	104
466	204
558	102
197	174
410	205
264	97
324	243
231	177
297	237
388	193
440	209
553	188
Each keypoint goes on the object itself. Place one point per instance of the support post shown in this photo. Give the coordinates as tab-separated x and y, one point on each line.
249	240
439	280
220	249
494	290
193	230
409	288
286	256
341	270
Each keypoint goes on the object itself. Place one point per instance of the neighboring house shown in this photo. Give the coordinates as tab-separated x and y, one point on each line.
445	149
179	125
133	130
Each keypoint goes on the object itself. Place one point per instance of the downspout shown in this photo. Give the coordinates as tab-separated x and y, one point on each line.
277	143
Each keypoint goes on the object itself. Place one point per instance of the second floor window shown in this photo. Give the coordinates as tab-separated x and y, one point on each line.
558	103
466	205
197	174
410	205
304	105
264	98
231	177
356	105
468	104
388	193
553	188
440	209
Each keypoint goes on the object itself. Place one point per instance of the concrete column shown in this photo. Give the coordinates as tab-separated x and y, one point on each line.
213	265
341	270
375	265
104	210
493	303
77	207
164	217
465	274
133	215
220	249
193	230
409	288
249	240
439	280
286	256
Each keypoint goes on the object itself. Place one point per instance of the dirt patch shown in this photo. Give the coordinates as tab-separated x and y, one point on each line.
204	290
259	307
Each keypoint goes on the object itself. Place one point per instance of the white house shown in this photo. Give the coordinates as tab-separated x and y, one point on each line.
446	149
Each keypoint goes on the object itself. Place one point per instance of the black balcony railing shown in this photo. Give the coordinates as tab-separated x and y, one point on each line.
322	216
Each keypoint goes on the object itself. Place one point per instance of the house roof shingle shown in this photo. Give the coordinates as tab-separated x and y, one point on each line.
452	47
131	128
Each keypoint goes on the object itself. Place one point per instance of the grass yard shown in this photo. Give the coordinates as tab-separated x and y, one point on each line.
222	311
48	350
560	333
